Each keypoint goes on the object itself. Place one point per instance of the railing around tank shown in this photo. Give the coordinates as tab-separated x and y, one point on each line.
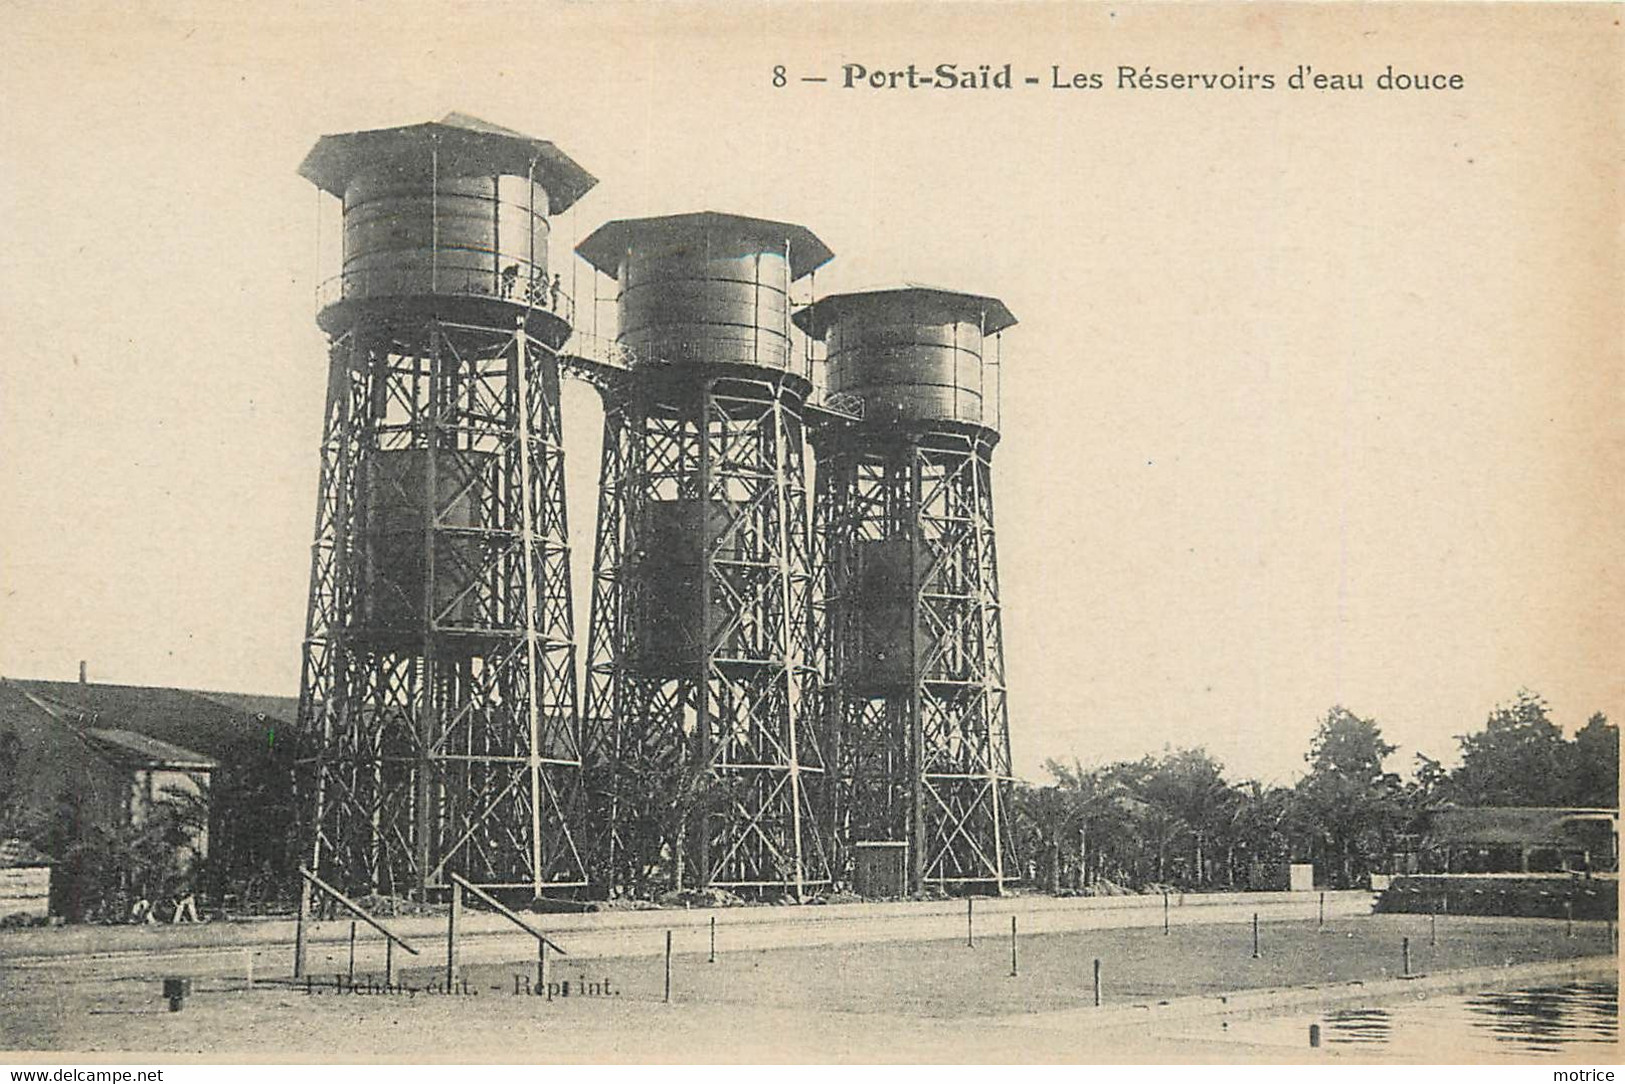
680	352
534	290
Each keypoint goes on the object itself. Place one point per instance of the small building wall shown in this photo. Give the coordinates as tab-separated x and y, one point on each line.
152	787
25	891
1513	839
880	869
1516	894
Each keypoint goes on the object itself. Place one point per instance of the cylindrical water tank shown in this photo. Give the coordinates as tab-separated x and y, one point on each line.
705	287
407	234
719	299
456	207
913	355
910	367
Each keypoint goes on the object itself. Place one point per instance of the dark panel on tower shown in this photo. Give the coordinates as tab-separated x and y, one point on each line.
668	634
880	648
397	566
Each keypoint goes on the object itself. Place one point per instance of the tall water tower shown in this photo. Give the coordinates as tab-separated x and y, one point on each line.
910	588
438	722
701	692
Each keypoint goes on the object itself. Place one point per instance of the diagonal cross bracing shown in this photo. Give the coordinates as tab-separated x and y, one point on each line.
439	729
704	756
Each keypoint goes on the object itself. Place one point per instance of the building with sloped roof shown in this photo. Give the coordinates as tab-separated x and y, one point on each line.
114	774
79	757
217	725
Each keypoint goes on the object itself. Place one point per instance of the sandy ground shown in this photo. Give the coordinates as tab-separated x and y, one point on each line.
865	1000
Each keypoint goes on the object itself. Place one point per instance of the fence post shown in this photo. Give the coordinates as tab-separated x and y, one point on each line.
351	973
1097	983
1321	922
1255	935
1405	947
1012	946
668	967
541	965
299	929
1165	914
713	958
389	961
1314	1035
970	928
1433	925
454	923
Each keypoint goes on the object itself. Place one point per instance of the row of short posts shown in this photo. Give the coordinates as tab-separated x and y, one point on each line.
1015	969
710	958
1257	942
455	918
970	942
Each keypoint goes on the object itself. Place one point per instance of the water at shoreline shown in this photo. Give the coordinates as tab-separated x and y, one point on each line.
1570	1019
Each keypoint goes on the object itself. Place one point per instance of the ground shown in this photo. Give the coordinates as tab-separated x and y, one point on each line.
889	1000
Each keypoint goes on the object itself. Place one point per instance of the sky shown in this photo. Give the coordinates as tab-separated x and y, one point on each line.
1315	396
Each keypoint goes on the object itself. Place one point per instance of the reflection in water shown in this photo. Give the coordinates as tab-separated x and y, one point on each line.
1358	1026
1566	1018
1543	1018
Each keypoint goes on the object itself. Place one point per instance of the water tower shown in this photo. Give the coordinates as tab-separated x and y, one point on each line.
438	722
910	587
702	689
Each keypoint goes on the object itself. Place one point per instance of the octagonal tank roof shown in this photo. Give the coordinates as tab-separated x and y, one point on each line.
995	316
466	144
604	246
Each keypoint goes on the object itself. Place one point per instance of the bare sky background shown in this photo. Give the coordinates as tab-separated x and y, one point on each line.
1315	398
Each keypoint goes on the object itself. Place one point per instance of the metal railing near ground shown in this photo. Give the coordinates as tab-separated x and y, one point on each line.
459	885
310	881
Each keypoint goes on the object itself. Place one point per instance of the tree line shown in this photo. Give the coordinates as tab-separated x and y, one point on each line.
1175	820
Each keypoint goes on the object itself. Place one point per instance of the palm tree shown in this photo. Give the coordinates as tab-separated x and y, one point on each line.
1097	798
1044	816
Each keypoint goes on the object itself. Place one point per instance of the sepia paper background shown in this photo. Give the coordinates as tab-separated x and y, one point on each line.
1315	397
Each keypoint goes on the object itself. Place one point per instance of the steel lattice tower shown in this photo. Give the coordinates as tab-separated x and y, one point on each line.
909	593
439	730
702	694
